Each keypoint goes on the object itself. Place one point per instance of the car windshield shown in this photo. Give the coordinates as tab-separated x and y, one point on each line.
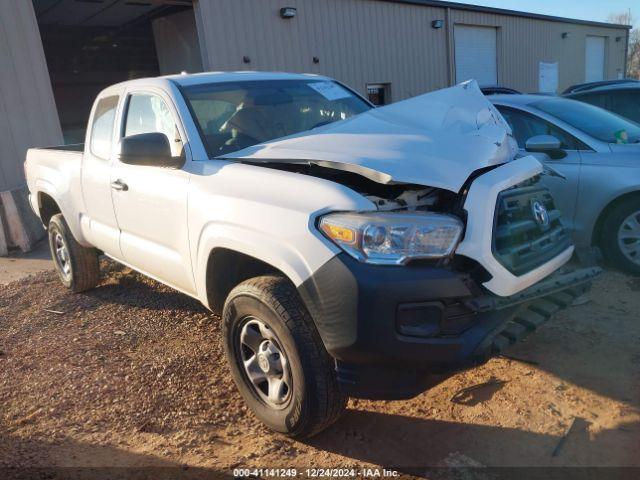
597	122
236	115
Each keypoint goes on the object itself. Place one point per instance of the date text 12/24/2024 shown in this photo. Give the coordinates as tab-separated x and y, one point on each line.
314	473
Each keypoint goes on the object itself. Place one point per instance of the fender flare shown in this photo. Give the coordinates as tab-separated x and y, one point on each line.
257	244
48	188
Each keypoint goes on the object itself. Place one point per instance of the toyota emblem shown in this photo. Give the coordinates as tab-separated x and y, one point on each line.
540	213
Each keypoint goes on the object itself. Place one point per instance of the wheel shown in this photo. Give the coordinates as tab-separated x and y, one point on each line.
277	358
621	236
76	265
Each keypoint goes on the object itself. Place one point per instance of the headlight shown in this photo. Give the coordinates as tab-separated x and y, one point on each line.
391	238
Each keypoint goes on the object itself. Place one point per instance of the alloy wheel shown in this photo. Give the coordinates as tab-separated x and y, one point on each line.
629	238
265	363
61	255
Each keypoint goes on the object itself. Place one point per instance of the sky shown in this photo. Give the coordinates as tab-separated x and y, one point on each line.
597	10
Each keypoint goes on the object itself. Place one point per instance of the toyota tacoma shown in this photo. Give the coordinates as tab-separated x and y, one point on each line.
349	250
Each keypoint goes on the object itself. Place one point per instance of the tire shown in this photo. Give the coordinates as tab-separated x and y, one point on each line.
624	219
310	400
77	266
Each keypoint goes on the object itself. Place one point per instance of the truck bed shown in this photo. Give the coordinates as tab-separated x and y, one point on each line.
72	147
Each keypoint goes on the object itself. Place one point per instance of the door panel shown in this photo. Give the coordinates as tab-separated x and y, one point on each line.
565	191
152	210
152	215
96	173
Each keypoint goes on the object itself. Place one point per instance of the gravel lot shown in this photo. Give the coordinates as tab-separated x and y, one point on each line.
132	374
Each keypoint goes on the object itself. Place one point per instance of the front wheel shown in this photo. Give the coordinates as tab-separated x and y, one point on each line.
277	358
77	266
621	236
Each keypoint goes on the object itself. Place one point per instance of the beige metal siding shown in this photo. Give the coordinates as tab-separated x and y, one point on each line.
28	115
524	42
356	41
372	41
570	51
176	40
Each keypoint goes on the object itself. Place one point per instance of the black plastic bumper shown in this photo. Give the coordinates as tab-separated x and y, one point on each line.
394	332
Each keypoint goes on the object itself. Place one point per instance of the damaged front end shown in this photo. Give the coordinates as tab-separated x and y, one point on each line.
461	253
436	168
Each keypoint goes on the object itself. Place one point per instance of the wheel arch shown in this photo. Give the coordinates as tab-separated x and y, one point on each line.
596	237
226	268
47	207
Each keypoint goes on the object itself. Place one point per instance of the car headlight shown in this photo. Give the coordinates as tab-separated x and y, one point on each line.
393	238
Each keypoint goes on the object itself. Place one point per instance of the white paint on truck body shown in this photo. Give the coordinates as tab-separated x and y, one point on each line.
169	221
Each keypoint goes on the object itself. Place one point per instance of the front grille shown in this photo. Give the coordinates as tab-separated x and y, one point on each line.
522	242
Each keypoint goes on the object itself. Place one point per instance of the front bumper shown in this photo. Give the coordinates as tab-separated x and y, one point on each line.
360	311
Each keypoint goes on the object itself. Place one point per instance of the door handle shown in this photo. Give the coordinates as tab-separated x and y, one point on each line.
120	186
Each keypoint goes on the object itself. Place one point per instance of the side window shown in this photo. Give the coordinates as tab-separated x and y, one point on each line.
148	113
525	126
597	99
102	127
626	103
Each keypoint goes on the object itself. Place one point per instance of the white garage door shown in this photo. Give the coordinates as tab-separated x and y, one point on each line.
476	57
594	59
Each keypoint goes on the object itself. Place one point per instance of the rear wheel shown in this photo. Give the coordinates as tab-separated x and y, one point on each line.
621	236
77	266
277	358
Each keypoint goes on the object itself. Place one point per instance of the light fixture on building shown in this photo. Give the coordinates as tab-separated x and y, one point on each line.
246	59
566	34
288	12
437	24
618	39
316	60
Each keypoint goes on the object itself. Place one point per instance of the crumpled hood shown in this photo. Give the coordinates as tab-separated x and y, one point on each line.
437	139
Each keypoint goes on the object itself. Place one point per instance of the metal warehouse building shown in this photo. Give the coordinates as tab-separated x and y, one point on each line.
57	54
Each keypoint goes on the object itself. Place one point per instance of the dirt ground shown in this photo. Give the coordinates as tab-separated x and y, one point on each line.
19	265
132	374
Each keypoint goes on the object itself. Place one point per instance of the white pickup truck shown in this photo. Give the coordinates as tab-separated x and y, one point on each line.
350	250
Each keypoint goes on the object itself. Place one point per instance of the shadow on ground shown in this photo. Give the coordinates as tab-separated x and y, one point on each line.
70	460
381	439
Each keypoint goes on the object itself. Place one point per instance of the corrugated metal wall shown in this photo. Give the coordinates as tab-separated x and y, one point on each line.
524	42
28	115
357	42
177	44
371	41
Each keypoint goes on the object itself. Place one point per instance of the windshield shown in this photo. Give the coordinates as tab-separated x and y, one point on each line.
599	123
236	115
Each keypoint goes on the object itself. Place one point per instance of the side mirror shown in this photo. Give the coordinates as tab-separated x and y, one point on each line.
148	149
546	144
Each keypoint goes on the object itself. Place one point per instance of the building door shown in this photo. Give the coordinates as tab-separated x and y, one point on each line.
594	59
476	54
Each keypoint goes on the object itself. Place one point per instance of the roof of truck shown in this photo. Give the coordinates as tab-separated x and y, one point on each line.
186	79
215	77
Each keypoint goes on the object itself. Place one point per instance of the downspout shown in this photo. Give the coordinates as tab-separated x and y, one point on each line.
449	46
626	53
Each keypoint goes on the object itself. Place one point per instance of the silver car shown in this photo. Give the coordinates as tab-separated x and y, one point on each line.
598	153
